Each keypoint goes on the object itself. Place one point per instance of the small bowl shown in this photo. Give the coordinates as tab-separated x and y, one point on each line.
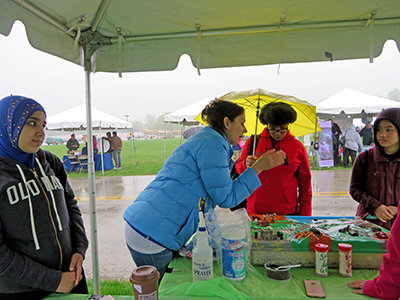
281	274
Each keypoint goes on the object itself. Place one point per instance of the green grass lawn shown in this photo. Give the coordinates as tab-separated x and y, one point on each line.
148	157
112	287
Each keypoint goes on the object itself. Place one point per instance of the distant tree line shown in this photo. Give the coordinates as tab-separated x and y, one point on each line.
394	95
153	122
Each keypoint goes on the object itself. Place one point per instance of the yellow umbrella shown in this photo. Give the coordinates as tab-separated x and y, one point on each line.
253	100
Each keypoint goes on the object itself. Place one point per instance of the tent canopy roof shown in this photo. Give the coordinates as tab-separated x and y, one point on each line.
354	103
187	114
142	35
75	118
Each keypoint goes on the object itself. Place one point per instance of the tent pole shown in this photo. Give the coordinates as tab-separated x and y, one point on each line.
102	159
91	176
165	141
131	140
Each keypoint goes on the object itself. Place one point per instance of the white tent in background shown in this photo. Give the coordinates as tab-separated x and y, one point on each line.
186	115
354	104
75	119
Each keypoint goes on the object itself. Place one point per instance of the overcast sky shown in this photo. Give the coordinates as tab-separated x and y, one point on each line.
59	85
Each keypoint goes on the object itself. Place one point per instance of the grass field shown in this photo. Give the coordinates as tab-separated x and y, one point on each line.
148	157
112	287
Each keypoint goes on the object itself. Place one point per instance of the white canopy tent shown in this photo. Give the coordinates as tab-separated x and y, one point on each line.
75	119
353	103
185	116
133	36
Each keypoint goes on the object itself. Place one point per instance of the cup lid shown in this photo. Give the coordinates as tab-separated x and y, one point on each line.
345	247
144	273
321	247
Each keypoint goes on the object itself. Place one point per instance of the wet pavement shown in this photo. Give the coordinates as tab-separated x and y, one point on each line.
115	194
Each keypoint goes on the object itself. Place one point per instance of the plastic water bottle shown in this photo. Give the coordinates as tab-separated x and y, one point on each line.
202	254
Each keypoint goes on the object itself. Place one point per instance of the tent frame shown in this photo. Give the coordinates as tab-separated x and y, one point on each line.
91	40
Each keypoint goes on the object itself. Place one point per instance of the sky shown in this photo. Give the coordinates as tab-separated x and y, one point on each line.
59	85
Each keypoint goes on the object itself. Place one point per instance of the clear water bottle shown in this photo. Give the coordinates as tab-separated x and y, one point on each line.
202	254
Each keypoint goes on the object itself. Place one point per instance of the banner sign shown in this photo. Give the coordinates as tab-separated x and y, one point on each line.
325	144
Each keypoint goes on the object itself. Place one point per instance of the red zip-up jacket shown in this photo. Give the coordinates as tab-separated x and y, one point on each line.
286	189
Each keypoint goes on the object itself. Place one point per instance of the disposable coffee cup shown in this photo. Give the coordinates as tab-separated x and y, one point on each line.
144	281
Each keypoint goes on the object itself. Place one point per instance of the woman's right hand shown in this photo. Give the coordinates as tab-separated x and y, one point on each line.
383	213
67	282
269	160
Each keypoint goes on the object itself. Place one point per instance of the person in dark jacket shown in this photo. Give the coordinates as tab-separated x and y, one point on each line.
336	132
42	236
366	134
72	144
375	179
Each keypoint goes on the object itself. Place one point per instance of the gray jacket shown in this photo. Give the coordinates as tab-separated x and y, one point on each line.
353	140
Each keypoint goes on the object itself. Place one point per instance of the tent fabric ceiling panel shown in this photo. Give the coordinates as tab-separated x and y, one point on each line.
156	33
41	35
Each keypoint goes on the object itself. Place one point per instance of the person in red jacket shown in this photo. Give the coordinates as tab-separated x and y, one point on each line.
386	286
284	190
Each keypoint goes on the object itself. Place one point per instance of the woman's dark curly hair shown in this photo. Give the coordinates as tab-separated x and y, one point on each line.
277	113
215	112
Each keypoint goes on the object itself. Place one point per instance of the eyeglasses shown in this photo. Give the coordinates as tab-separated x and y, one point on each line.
277	130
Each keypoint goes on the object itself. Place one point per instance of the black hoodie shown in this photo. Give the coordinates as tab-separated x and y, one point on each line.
41	225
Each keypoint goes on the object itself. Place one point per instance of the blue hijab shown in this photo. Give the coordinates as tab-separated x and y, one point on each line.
14	111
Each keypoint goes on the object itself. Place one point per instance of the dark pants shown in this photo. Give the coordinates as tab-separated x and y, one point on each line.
335	148
81	288
346	153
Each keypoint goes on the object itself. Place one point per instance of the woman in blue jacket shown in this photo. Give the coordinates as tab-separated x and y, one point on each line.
165	214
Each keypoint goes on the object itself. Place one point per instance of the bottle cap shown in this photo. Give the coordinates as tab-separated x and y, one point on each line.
344	247
321	247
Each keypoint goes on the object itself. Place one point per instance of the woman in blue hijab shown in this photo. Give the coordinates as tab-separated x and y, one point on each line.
42	236
14	111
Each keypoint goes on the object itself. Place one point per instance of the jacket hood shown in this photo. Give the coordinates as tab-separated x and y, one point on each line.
390	114
351	127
